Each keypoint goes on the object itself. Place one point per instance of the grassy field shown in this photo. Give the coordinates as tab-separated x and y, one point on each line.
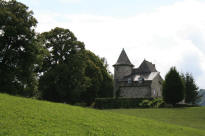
190	117
28	117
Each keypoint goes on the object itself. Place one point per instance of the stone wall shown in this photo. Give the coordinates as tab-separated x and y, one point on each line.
156	87
119	73
122	71
135	92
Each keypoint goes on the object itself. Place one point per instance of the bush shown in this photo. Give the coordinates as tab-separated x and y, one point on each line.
82	104
145	104
155	103
111	103
158	103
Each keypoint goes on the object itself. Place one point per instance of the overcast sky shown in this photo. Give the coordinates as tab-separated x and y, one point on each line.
164	32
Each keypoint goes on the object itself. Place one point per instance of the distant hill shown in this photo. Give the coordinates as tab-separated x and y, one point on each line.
29	117
201	100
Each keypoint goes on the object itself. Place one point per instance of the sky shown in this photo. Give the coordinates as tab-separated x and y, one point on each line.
165	32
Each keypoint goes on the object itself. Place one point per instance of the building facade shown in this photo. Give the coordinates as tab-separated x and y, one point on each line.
142	82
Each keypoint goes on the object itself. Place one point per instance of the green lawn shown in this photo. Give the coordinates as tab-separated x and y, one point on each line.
190	117
28	117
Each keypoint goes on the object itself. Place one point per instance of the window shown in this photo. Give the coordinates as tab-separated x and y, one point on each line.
154	92
141	79
129	80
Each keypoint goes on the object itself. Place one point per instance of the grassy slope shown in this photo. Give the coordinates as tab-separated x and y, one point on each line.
27	117
189	117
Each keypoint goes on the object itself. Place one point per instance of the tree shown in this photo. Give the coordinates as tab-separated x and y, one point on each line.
191	93
70	73
62	75
101	81
106	89
19	49
173	87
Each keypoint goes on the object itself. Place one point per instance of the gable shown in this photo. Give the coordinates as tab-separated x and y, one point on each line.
147	67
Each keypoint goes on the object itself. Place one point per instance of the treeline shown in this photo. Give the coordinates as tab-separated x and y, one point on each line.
52	65
179	88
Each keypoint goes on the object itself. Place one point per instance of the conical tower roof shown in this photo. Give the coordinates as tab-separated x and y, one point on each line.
123	59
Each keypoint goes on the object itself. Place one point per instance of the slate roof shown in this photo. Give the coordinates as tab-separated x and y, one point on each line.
148	77
145	76
146	70
147	67
123	59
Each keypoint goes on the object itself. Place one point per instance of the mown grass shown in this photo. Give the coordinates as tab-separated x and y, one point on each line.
28	117
190	117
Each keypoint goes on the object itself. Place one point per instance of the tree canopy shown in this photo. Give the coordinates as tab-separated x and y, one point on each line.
173	87
19	49
70	73
101	82
191	89
52	65
63	68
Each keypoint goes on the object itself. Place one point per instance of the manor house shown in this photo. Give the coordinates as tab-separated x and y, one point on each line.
142	82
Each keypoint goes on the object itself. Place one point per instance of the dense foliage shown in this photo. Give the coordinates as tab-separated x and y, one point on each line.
154	103
101	83
191	89
63	69
173	87
111	103
19	49
53	65
70	73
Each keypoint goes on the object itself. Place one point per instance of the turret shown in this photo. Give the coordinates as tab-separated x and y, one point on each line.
123	67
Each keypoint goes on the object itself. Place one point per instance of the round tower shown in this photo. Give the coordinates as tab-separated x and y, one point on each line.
123	67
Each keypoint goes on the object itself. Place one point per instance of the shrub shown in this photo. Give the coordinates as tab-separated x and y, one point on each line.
145	104
110	103
154	103
157	103
82	104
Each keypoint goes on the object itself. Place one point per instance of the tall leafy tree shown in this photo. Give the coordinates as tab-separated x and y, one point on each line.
106	89
191	89
63	69
101	83
19	49
173	87
70	73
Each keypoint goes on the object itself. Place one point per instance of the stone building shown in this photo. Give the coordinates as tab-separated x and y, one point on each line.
142	82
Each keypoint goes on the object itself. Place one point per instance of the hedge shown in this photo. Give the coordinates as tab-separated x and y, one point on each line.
111	103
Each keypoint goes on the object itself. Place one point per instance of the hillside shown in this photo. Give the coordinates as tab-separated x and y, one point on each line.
189	117
28	117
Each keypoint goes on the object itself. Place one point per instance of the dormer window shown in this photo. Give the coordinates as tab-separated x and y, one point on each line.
141	79
129	80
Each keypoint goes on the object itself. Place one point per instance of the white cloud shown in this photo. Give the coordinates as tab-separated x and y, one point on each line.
168	36
69	1
33	2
